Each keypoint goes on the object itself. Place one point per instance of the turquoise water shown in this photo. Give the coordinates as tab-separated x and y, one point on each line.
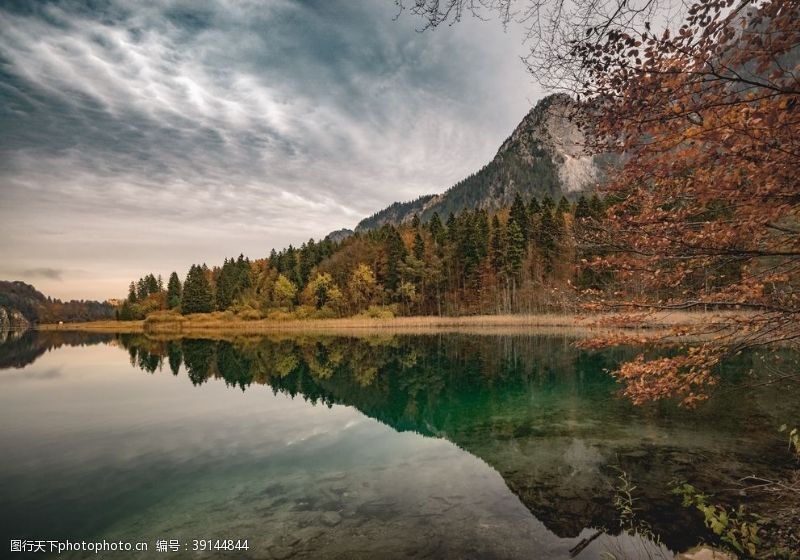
437	446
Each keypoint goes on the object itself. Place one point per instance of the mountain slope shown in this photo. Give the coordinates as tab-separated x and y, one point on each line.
543	156
22	305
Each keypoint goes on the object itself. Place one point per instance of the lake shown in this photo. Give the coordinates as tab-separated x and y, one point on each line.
407	446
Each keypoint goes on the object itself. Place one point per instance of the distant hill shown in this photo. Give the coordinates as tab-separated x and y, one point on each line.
543	156
22	305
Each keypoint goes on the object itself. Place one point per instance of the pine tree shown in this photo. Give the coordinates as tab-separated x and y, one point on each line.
483	233
225	285
196	297
435	227
498	250
395	253
132	293
563	205
173	291
419	246
534	207
450	224
141	289
519	215
151	284
415	221
547	237
515	248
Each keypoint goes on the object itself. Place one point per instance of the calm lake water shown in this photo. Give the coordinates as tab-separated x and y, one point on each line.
430	446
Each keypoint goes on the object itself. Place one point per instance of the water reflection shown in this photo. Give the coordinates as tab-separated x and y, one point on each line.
540	413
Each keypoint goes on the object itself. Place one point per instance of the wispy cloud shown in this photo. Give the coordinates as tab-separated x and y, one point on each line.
49	273
180	131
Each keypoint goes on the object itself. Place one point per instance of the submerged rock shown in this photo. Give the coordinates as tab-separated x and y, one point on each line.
331	518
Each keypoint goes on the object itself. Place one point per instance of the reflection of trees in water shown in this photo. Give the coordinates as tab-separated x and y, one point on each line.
20	348
410	382
541	412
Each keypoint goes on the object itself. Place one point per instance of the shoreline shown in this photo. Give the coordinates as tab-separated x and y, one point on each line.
200	324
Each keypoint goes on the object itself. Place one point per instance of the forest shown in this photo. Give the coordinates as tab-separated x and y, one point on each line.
520	259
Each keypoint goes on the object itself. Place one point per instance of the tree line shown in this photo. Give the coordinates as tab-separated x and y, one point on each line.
518	259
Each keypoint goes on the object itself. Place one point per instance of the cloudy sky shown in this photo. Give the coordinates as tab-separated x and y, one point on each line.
146	136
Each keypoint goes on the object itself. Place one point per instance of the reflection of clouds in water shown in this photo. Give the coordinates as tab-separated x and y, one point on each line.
22	376
582	457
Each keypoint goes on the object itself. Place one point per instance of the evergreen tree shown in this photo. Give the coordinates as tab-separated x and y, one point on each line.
547	237
415	221
534	207
519	215
151	284
436	229
483	233
141	289
395	253
132	293
515	248
225	285
419	246
563	205
469	244
450	225
243	274
196	297
547	203
498	250
173	291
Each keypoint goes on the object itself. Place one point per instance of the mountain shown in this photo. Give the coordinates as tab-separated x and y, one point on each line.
22	305
19	303
543	156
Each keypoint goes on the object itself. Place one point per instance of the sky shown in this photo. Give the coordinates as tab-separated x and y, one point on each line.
140	137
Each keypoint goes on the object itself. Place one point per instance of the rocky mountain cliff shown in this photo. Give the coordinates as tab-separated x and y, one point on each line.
543	156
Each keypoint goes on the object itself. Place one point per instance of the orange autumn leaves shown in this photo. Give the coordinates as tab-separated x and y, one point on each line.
705	208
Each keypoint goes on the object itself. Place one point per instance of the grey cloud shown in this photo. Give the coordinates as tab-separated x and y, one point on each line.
49	273
180	131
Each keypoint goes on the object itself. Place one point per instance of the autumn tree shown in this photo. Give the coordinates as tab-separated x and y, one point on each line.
284	291
705	211
323	293
362	288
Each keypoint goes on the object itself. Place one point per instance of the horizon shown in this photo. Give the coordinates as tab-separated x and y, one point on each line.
148	139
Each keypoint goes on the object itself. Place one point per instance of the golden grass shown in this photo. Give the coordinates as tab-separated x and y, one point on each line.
96	326
203	324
